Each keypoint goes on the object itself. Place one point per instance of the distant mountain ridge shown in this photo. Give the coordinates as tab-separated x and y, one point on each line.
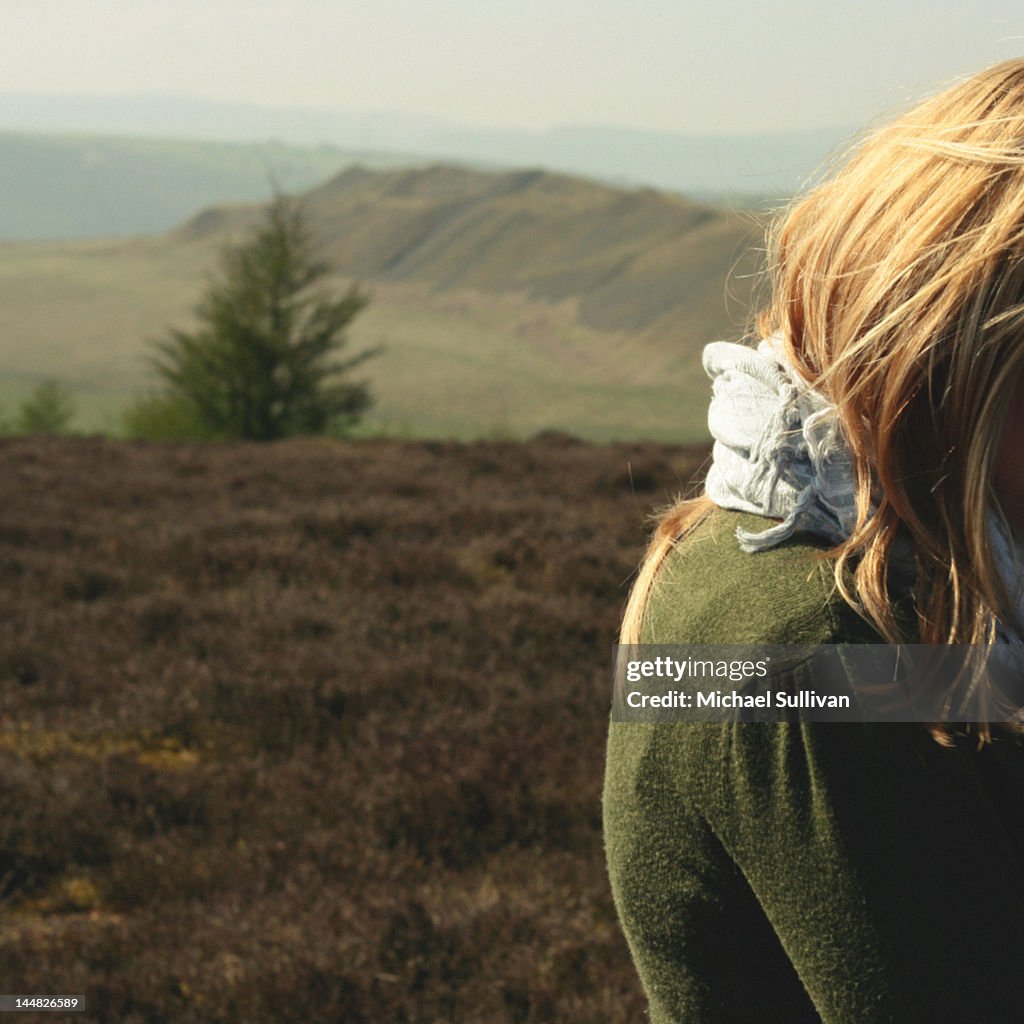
730	166
79	186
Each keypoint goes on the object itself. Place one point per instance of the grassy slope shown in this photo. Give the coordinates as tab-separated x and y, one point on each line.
73	186
637	261
81	311
507	302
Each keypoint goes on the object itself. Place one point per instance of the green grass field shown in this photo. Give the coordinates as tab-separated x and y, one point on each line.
505	304
455	364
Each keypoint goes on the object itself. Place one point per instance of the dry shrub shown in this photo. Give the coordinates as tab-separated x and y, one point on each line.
314	730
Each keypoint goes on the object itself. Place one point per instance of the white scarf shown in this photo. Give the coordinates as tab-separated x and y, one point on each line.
780	452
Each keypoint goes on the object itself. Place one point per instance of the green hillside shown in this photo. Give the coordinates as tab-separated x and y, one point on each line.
507	303
78	186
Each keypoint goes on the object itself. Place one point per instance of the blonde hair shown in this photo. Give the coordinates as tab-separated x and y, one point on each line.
898	290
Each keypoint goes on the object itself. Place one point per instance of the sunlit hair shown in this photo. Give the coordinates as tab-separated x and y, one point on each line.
898	290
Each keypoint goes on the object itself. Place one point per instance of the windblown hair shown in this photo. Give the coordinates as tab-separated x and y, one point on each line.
898	291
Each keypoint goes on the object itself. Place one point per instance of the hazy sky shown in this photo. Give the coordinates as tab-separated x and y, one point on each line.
675	65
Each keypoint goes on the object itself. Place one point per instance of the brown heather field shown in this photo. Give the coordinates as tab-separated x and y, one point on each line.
314	731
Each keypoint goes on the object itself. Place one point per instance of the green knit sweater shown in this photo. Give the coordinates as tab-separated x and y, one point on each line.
851	874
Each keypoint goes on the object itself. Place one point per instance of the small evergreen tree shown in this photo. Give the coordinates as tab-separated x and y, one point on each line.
261	364
49	409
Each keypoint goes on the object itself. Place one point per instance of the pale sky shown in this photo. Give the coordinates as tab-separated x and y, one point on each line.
710	66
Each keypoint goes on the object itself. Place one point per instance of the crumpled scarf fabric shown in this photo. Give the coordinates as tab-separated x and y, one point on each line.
779	452
778	448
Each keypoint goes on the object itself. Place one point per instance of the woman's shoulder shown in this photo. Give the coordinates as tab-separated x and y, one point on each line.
709	590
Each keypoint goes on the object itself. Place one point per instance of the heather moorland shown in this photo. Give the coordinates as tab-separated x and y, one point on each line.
314	730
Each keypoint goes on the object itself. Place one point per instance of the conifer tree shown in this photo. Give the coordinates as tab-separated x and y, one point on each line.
262	363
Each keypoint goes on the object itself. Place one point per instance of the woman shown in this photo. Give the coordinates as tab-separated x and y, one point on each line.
867	486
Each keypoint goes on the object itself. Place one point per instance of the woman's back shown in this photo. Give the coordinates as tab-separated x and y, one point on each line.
803	871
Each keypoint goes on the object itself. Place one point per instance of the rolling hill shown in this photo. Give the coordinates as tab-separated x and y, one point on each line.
508	302
733	166
81	186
